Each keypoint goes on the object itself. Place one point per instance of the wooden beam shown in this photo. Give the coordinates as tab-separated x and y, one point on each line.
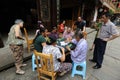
38	9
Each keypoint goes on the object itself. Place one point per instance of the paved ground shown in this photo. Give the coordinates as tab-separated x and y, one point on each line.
109	71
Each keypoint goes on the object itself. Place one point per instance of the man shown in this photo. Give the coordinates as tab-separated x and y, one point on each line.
106	33
79	53
68	34
60	67
80	25
15	41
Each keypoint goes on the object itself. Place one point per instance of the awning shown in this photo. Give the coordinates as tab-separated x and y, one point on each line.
107	5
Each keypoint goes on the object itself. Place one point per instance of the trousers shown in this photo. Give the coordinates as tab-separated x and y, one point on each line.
17	53
99	51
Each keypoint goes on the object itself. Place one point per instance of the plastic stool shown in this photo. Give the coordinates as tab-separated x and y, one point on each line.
33	63
82	72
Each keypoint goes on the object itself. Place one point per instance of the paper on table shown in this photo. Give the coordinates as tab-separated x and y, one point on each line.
63	43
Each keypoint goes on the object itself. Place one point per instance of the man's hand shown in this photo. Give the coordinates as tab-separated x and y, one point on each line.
68	48
63	50
106	39
19	37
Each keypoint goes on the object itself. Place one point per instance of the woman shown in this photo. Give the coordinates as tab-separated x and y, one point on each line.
54	33
15	41
61	27
40	24
40	40
60	67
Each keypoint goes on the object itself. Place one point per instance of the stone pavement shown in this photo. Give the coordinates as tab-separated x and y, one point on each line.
109	71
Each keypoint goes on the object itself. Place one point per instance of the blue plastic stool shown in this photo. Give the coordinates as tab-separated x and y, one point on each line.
82	72
33	63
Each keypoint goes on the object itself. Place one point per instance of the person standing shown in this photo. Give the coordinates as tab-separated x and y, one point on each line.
15	41
80	25
107	32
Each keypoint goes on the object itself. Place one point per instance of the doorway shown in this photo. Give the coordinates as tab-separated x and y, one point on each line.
17	9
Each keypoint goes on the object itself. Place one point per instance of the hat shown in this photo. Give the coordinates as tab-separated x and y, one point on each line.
51	40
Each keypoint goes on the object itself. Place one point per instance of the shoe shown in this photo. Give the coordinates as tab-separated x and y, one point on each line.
20	72
96	67
91	60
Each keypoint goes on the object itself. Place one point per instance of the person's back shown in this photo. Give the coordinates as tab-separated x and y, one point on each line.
59	67
81	51
49	49
39	41
12	38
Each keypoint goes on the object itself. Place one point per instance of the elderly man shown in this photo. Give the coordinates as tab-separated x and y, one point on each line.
79	53
107	32
68	33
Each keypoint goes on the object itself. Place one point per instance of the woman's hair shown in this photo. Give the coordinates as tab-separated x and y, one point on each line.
41	30
61	21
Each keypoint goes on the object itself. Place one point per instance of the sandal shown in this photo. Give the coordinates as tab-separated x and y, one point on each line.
20	72
62	73
23	65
